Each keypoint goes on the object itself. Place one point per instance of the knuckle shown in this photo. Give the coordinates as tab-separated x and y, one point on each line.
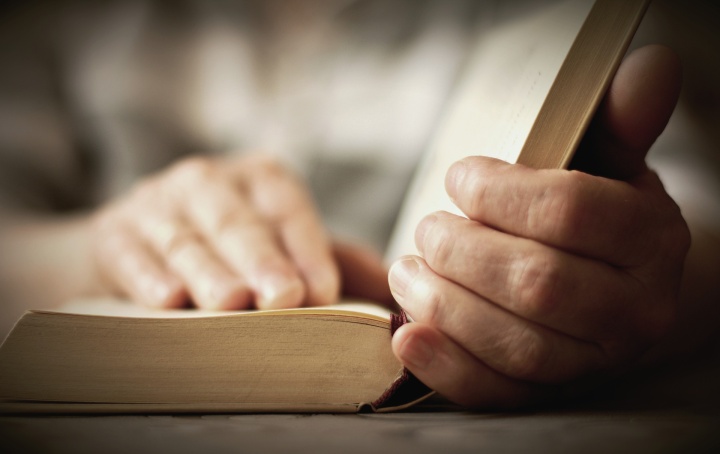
535	284
561	207
270	166
439	246
227	223
295	202
193	169
528	357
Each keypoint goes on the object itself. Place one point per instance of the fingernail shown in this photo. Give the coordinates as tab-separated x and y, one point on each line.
454	177
401	274
416	352
280	292
422	229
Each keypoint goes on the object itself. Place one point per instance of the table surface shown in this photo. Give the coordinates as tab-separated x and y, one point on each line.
673	410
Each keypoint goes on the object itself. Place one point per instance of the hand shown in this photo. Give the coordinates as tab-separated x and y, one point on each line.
557	277
223	234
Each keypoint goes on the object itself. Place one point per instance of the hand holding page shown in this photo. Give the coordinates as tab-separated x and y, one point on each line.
528	94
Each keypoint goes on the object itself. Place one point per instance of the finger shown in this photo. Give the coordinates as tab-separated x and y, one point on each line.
634	112
579	213
450	370
131	266
285	202
232	226
309	249
210	282
583	298
511	345
363	273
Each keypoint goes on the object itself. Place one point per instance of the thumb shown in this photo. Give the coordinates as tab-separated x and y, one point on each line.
635	111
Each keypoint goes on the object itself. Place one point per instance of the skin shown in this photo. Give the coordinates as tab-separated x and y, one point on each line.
557	278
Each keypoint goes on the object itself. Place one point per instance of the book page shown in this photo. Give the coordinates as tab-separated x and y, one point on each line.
110	307
494	106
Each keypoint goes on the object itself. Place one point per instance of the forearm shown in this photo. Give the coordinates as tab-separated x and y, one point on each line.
44	261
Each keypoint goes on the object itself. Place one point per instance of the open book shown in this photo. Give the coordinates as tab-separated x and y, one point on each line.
111	356
527	95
